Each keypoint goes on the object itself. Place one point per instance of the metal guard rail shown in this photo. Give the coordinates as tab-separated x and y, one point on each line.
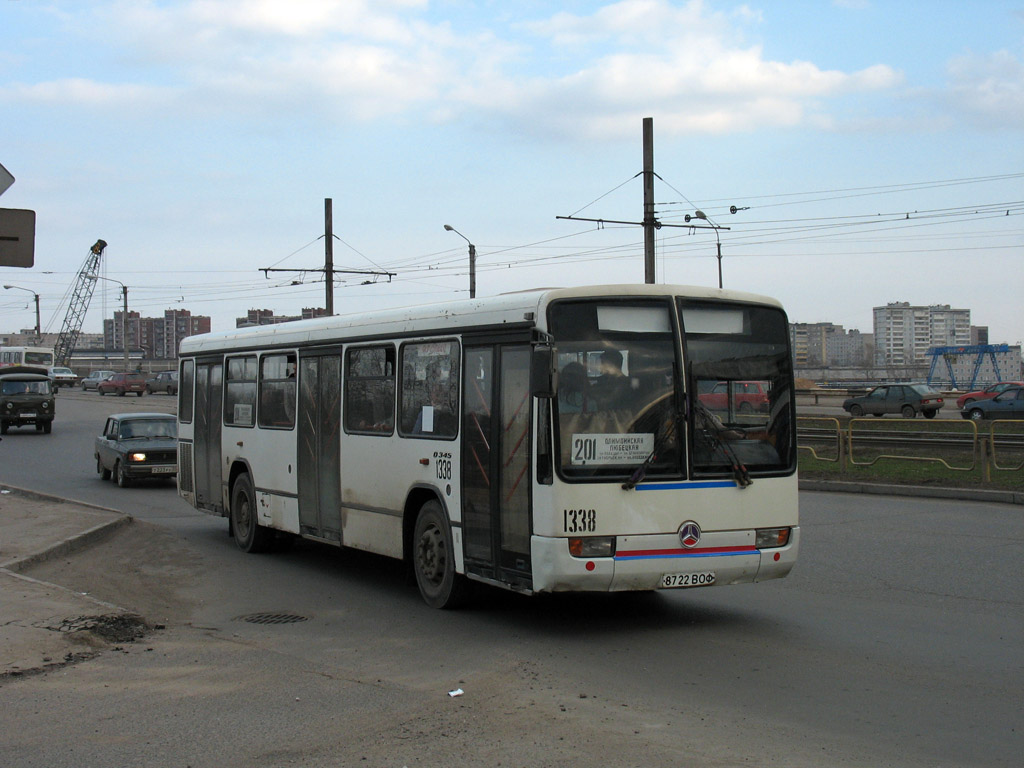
987	447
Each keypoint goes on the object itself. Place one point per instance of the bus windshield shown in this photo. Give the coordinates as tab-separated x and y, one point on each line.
739	372
619	406
617	394
39	358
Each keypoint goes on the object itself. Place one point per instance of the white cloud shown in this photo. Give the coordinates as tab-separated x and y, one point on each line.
358	60
988	89
307	18
678	63
81	92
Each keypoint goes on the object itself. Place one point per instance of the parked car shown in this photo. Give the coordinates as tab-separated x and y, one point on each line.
747	396
137	445
165	381
122	383
987	393
61	377
92	381
26	398
905	399
1008	404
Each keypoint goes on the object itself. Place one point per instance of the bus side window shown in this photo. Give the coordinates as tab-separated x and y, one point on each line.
185	394
370	390
277	391
430	390
240	392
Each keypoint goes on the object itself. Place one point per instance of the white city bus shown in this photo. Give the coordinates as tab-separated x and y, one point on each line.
551	440
41	357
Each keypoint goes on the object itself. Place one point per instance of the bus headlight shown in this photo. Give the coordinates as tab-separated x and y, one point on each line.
766	538
136	457
592	546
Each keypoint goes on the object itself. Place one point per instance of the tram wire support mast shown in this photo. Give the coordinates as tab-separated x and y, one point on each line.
650	221
328	269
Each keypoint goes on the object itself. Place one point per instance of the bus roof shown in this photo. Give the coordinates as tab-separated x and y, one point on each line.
517	309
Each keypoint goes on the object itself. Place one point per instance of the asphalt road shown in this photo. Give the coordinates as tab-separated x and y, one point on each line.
898	640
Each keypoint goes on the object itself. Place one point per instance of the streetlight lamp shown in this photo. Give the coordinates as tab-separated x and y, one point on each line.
124	314
34	294
718	240
472	260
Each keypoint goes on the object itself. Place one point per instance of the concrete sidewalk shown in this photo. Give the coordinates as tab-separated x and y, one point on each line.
44	625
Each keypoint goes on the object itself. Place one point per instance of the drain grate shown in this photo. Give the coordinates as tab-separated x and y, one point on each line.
272	618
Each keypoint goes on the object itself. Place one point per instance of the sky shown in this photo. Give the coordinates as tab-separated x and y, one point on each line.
874	151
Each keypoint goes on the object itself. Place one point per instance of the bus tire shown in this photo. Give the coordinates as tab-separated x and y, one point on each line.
249	535
433	560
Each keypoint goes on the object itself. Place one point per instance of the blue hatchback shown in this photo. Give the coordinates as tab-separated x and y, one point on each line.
1008	404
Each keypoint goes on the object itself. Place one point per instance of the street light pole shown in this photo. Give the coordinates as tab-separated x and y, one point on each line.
472	260
36	296
124	315
718	240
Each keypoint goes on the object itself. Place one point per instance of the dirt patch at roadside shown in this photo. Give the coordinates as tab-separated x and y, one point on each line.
141	568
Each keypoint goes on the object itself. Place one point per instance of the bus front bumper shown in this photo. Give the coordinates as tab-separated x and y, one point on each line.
659	562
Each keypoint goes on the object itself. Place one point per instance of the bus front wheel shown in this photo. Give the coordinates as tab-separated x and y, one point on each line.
434	560
249	535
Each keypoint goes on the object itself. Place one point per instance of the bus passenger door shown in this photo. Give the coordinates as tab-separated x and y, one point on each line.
319	446
209	386
496	462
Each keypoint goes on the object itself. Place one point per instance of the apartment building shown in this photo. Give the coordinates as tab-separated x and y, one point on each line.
903	333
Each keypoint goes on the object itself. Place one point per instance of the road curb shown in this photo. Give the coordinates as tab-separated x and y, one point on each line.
40	496
920	491
70	543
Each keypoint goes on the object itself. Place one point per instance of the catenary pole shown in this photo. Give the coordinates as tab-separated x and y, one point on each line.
329	255
650	223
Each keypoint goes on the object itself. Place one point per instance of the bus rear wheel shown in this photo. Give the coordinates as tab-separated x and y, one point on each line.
249	535
433	558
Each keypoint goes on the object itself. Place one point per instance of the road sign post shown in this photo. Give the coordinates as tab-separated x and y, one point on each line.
17	231
17	237
6	179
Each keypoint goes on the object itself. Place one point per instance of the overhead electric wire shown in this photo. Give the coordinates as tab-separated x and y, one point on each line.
834	194
430	270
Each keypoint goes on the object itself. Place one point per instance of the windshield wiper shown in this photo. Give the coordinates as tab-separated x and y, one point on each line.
719	435
668	430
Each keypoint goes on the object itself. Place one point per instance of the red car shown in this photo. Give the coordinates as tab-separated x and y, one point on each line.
987	393
123	383
747	396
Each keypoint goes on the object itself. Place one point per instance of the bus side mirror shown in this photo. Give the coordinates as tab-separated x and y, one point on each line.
542	371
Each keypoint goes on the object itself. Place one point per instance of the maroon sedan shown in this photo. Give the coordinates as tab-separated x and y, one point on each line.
123	383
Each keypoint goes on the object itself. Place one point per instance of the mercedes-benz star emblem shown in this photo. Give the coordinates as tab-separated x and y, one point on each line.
689	534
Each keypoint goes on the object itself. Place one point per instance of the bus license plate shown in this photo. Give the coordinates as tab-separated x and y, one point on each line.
675	580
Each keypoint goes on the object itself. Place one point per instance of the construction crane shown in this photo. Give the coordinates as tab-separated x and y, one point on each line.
85	284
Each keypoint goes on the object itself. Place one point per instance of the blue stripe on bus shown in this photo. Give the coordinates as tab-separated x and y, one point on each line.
686	486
